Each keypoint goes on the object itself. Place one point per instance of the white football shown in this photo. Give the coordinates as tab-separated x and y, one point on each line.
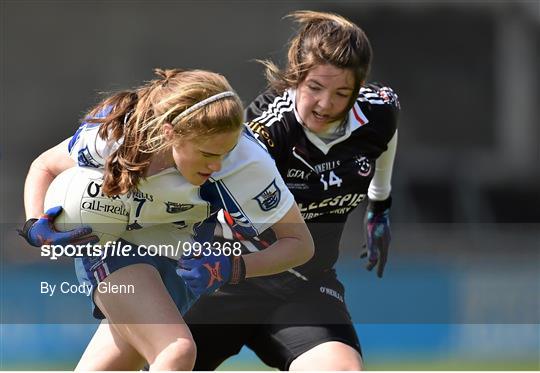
78	191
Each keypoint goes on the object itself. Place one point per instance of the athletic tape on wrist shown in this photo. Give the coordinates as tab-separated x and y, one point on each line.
238	270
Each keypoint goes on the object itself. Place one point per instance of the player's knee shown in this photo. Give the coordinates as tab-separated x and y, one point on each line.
332	365
327	365
185	352
179	355
348	361
349	365
329	356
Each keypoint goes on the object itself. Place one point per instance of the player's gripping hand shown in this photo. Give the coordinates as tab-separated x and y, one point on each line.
377	223
205	274
38	232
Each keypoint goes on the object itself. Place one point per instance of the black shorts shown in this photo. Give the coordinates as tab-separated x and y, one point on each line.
278	330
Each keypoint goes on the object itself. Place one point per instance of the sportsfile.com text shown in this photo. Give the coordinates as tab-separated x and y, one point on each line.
119	248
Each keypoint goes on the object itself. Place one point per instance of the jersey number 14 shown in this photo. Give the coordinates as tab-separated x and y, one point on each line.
333	179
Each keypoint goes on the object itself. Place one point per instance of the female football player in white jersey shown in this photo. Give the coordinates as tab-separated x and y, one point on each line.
175	152
334	139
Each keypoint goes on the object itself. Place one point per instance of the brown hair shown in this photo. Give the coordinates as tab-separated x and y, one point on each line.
137	116
323	38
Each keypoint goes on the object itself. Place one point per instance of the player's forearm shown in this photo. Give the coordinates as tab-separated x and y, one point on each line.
42	172
294	247
380	186
285	253
36	185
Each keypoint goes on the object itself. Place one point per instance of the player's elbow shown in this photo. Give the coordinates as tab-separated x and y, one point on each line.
305	248
42	164
309	250
53	161
39	166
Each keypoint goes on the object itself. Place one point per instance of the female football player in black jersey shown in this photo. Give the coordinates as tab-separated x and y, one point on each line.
333	138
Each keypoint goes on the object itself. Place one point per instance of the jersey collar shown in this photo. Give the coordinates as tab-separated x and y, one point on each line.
356	119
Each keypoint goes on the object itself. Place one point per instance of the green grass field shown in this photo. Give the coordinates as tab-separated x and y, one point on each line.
427	364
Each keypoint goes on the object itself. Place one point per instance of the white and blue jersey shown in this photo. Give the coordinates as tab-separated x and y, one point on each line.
165	208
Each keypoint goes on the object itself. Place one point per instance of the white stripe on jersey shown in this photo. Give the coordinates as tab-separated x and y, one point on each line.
240	219
96	277
384	95
245	222
106	268
280	105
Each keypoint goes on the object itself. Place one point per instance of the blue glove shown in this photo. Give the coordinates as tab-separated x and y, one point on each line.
38	232
377	222
205	274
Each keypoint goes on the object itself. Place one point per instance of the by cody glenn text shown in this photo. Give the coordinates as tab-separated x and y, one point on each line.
50	289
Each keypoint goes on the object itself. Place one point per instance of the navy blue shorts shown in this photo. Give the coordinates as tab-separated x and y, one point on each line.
92	270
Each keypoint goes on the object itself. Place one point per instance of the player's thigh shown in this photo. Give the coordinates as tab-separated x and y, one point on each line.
147	318
295	327
279	345
109	351
328	356
222	322
216	343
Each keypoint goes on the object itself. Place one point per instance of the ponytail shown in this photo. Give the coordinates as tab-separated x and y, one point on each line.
136	119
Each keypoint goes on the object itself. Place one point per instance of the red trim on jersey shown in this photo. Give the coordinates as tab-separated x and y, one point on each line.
101	273
228	218
358	118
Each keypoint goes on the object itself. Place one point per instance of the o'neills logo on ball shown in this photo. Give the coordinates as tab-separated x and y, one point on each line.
102	206
94	190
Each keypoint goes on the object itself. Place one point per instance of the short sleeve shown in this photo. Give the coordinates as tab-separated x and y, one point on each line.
269	117
254	194
87	148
